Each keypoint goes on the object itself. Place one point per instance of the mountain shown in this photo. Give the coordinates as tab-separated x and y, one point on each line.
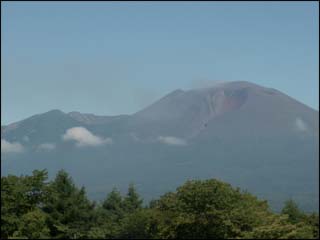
91	119
254	137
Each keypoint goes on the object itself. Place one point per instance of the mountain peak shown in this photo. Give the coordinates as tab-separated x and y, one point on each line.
54	111
229	85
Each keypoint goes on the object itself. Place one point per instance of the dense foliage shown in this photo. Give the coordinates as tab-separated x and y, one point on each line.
32	207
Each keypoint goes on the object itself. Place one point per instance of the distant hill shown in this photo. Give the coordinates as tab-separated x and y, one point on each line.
254	137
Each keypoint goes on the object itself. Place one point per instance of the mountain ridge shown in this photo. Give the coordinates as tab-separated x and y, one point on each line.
174	92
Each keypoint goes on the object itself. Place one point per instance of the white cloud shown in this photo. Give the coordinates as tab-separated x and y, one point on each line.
26	139
301	125
135	137
7	147
47	146
172	140
83	137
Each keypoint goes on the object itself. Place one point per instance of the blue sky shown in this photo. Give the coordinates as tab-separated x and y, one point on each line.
113	58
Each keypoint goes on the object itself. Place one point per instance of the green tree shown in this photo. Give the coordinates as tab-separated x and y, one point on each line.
141	224
107	223
313	221
34	208
20	195
132	201
114	204
209	209
71	214
32	225
97	233
292	210
279	227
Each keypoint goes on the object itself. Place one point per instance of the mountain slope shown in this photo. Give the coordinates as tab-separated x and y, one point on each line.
251	136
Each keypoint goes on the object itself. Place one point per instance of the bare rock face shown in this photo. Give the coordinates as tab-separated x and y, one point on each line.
222	101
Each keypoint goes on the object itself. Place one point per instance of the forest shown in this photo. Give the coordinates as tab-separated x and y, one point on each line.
32	207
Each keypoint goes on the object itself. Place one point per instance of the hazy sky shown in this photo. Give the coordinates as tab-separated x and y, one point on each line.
112	58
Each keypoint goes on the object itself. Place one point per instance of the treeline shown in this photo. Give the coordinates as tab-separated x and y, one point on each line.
33	207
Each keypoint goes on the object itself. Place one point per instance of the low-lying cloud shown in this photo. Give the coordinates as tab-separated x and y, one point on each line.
83	137
8	147
47	146
301	125
170	140
26	139
135	137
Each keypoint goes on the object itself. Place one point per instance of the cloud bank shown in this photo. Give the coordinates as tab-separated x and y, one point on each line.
47	146
7	147
172	140
83	137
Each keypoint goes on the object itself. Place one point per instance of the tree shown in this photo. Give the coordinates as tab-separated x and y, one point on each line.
114	204
132	201
292	210
71	214
20	195
313	221
33	208
279	227
209	209
141	224
32	225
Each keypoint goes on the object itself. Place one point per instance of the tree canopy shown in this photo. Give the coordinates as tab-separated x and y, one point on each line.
33	207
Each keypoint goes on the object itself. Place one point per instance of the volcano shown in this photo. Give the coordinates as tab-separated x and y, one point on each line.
254	137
